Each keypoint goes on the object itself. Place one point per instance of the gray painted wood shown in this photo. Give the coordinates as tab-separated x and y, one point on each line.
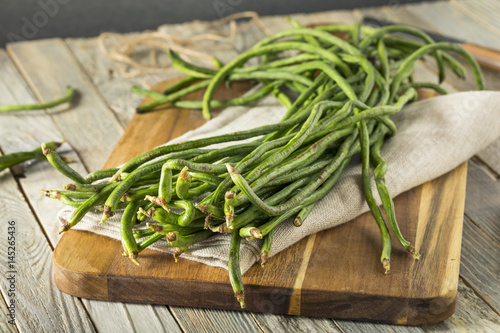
126	317
159	319
482	200
486	13
41	307
455	23
5	326
352	326
293	324
24	131
211	320
480	267
105	75
89	126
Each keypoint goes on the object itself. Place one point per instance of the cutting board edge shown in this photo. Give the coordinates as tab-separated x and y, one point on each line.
79	284
416	311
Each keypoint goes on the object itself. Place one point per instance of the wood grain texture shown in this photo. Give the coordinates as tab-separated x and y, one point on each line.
105	76
127	317
213	320
24	131
483	198
49	66
40	307
294	324
5	326
484	13
481	269
454	23
322	278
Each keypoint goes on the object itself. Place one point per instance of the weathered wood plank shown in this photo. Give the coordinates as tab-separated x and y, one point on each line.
293	324
5	326
24	131
485	13
471	315
89	126
211	320
331	17
105	75
124	317
480	267
452	22
352	326
482	200
491	157
159	319
115	89
40	306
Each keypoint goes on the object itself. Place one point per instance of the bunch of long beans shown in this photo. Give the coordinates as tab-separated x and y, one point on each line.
344	89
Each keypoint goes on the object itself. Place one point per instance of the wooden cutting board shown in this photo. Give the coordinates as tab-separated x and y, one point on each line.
335	273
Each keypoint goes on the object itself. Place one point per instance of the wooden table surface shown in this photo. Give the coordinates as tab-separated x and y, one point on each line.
39	70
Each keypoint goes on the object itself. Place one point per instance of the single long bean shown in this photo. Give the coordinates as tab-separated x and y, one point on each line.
9	160
265	250
233	266
57	162
66	98
126	234
379	176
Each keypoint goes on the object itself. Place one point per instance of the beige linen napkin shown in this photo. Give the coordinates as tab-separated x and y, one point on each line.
434	136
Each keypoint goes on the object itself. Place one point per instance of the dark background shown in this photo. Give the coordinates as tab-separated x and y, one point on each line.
36	19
